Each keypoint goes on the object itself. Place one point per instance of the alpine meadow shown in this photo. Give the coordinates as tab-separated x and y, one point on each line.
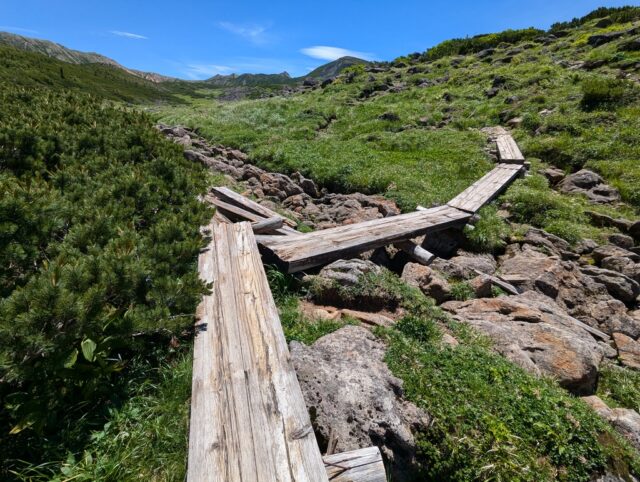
422	268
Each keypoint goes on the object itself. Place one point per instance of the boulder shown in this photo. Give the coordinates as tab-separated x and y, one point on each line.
603	38
621	240
624	420
630	46
546	241
347	272
618	285
465	265
634	231
538	335
427	280
609	250
622	265
553	175
591	185
628	350
355	400
482	286
582	296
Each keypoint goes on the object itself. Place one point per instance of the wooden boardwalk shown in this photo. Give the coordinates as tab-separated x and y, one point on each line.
249	421
486	189
302	251
296	253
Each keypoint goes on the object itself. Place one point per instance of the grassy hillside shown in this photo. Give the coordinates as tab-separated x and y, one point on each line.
332	69
35	70
409	128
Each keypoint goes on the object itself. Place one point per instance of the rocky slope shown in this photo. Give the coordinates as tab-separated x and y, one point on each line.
554	309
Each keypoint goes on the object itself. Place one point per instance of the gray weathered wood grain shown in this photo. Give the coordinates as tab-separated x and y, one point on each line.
248	419
363	465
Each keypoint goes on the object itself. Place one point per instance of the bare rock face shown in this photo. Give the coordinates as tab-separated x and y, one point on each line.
535	333
582	295
591	185
427	280
618	285
354	398
628	350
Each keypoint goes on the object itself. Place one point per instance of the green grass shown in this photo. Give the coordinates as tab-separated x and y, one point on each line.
335	134
491	419
619	387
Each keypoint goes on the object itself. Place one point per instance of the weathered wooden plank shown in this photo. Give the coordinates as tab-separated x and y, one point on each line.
248	417
486	189
415	252
267	225
232	197
508	150
239	214
295	253
363	465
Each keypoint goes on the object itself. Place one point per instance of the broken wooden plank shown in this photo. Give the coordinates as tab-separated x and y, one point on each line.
296	253
232	197
415	252
267	225
239	214
248	416
487	188
363	465
508	150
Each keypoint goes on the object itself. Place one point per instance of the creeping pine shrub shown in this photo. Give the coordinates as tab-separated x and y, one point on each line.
98	242
602	93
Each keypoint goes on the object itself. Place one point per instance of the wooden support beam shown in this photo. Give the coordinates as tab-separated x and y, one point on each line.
248	421
363	465
415	252
267	225
232	197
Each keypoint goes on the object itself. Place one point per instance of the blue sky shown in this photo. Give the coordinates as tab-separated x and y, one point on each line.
198	39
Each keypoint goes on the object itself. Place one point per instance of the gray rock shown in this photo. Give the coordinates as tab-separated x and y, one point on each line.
621	240
554	175
354	398
427	280
465	265
603	38
538	335
591	185
619	286
624	420
609	250
347	272
582	296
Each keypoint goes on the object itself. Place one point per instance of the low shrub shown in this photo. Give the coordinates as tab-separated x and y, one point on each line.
602	93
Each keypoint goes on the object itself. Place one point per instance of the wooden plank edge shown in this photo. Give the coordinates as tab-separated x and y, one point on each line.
231	197
362	465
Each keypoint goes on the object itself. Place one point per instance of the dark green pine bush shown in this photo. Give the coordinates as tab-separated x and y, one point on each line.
99	238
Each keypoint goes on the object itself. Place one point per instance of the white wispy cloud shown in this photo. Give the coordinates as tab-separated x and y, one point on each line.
333	53
255	33
8	28
135	36
204	71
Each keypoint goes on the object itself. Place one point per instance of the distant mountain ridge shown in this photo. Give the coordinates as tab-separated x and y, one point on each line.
334	68
77	57
60	52
249	80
